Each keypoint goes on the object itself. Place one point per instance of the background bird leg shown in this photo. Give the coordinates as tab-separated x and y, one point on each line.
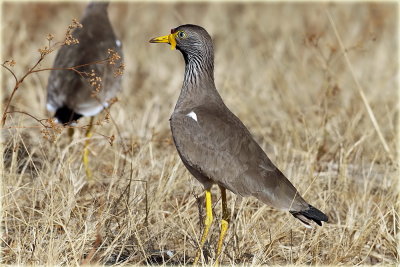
86	150
70	133
207	225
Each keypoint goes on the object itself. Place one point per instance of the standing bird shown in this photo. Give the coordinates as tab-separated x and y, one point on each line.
214	144
70	94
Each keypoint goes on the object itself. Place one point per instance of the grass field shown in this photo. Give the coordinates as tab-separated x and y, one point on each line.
280	68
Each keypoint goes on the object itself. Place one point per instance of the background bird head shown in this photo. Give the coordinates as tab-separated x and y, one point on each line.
95	7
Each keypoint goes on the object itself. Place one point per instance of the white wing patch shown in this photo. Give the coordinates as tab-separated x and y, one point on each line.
90	110
118	43
50	107
192	115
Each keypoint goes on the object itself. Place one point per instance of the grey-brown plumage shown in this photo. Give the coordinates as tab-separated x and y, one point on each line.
214	144
69	95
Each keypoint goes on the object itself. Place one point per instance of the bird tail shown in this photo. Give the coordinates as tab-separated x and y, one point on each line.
65	115
310	214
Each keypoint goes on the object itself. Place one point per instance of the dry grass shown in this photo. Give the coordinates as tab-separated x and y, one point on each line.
280	68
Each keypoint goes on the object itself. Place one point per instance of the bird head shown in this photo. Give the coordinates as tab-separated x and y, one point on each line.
96	7
187	38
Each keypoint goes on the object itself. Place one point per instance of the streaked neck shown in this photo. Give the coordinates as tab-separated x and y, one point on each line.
198	84
199	71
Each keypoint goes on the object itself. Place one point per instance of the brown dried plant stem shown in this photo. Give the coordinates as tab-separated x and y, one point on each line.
33	117
43	52
17	85
75	67
32	70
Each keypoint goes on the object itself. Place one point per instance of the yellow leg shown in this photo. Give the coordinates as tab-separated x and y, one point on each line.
86	150
207	225
70	133
224	224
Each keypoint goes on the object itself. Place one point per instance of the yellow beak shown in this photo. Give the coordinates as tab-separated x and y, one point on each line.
170	39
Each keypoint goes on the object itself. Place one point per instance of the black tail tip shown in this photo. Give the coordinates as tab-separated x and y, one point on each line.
65	115
310	214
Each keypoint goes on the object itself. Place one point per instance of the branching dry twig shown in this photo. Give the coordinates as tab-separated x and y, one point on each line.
92	78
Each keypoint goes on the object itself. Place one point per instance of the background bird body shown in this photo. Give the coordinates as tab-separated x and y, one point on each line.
69	90
72	95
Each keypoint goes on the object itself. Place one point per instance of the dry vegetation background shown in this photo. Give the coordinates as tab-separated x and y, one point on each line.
279	67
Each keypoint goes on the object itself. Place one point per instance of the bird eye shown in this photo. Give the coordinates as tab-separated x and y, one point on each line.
181	34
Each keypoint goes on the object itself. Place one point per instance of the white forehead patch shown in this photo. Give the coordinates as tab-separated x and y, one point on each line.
192	115
118	42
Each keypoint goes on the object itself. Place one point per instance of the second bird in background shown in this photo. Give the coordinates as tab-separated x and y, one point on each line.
69	94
